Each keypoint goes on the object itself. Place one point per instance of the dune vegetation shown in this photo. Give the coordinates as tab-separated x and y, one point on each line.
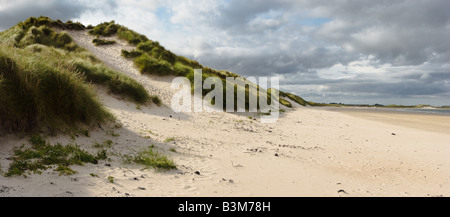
42	156
152	58
294	98
46	80
101	42
36	92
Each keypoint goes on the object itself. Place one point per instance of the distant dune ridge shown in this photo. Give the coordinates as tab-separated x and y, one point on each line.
85	111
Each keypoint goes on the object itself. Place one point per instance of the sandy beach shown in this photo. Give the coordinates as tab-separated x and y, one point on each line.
308	152
422	121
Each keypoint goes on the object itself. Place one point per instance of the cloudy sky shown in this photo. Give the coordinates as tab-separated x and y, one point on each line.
360	51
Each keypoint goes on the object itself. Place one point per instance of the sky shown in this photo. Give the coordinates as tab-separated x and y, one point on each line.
343	51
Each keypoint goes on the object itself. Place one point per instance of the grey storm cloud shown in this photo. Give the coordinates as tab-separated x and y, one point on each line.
237	15
398	89
402	34
396	32
19	10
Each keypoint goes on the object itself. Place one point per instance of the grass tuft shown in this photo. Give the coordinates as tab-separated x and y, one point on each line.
105	144
131	54
156	100
150	158
101	42
170	139
110	179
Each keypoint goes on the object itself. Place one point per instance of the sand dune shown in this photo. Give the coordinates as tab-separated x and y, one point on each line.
308	152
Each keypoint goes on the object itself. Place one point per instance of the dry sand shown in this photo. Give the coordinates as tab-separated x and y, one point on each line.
308	152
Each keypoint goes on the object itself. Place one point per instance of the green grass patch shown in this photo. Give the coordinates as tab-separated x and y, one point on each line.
116	82
46	36
38	92
323	104
42	156
65	170
264	113
155	50
285	103
149	132
149	65
110	179
170	139
111	28
151	159
104	29
294	98
102	42
181	70
131	54
46	21
187	62
105	144
156	100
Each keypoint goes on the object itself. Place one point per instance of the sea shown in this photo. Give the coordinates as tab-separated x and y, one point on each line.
430	111
437	111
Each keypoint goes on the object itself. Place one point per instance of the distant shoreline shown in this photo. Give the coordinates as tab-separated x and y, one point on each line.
412	118
396	110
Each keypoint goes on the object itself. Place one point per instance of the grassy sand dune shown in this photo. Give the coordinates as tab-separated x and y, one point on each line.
46	79
152	151
152	58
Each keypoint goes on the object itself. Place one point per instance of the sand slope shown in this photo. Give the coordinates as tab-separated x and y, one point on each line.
308	152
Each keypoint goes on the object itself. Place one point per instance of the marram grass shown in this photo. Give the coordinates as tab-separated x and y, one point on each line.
45	80
38	93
